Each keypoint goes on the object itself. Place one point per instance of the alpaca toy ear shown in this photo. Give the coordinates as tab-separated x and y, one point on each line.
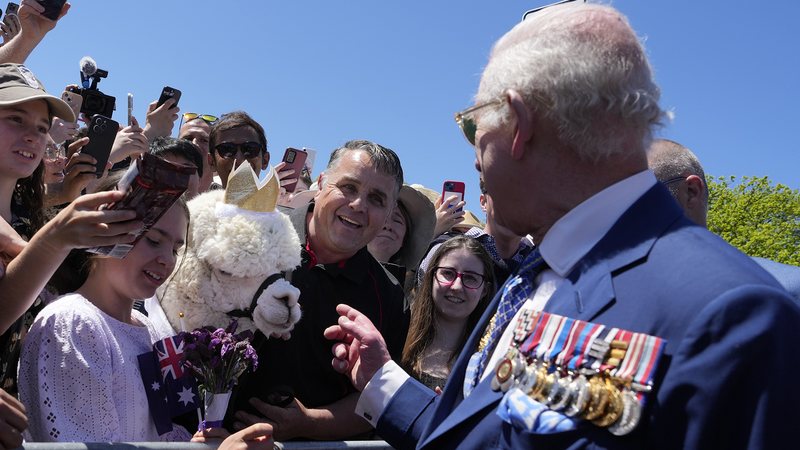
245	191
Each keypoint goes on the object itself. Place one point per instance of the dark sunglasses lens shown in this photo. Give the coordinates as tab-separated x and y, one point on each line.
227	150
251	149
469	129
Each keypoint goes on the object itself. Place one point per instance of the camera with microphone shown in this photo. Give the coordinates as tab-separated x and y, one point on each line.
94	101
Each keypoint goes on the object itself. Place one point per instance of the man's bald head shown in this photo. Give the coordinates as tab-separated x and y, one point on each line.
680	170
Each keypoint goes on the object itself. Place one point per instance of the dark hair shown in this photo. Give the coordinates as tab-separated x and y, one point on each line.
385	160
27	201
179	147
236	119
422	329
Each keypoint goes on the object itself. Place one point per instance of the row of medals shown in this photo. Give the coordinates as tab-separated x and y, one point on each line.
598	397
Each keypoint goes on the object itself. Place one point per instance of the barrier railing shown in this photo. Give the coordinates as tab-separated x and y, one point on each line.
298	445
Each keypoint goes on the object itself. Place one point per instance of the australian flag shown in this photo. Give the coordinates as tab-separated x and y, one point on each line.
171	388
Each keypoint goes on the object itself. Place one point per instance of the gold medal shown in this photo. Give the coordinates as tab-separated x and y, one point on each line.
598	399
614	409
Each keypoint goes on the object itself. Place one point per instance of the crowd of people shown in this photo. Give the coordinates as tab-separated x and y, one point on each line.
592	309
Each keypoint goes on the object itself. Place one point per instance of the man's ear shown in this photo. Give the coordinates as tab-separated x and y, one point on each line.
482	201
211	161
265	161
695	192
523	126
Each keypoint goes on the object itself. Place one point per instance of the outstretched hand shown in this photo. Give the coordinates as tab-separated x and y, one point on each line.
256	436
360	350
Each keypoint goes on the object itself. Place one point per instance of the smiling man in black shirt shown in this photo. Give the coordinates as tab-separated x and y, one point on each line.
358	190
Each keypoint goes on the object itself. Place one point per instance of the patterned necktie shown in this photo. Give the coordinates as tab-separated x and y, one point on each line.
516	291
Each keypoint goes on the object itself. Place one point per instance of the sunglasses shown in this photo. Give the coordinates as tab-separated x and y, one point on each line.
467	123
249	150
446	276
535	10
208	118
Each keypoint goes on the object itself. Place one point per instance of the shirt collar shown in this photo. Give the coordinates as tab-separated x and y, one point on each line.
570	239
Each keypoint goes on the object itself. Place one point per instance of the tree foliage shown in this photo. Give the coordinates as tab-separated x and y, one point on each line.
756	217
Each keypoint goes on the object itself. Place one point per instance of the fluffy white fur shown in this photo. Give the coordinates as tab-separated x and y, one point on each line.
228	255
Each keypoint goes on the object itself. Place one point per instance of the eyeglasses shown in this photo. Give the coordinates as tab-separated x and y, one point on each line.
535	10
208	118
672	180
446	276
249	150
467	123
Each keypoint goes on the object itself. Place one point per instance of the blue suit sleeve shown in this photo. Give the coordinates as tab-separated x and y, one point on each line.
731	382
407	415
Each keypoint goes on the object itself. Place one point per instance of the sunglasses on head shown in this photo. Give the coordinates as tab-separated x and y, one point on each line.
208	118
535	10
249	150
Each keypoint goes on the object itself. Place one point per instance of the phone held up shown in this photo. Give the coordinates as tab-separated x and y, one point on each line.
168	93
74	100
451	188
102	132
130	109
294	159
11	8
52	8
151	185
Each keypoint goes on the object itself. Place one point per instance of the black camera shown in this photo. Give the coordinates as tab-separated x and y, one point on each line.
94	101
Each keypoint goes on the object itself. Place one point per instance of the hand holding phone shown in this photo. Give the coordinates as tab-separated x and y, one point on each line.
295	159
169	93
102	132
11	26
74	100
52	8
451	188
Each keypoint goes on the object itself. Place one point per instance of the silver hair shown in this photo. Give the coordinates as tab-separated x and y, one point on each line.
594	83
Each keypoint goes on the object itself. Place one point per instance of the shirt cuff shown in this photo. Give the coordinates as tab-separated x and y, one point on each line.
379	392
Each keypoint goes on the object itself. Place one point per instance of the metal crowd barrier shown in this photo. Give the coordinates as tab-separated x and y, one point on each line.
297	445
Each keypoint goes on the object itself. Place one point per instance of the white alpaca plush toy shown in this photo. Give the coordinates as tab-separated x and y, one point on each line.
237	250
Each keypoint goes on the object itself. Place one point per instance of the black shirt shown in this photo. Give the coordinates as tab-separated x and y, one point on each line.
303	363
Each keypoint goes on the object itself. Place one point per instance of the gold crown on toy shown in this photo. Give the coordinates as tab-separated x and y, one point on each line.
246	191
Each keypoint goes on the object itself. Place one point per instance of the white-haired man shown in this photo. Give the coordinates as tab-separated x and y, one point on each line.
565	109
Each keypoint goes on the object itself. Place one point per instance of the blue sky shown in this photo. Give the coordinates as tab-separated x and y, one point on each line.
316	74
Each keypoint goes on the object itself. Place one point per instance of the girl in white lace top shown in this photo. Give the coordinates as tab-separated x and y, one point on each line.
79	376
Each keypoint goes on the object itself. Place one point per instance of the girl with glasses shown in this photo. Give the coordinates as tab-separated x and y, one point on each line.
453	295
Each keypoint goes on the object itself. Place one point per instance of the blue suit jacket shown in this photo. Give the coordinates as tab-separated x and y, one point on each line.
726	379
788	276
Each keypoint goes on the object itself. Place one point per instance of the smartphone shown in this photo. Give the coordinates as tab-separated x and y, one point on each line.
130	109
168	93
102	132
294	159
74	100
450	188
151	185
11	8
52	8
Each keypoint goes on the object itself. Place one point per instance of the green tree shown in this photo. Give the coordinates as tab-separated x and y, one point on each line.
756	217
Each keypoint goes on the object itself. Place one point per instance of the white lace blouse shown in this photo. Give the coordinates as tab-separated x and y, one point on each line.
79	376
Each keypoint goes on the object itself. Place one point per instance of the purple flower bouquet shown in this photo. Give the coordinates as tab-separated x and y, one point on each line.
217	357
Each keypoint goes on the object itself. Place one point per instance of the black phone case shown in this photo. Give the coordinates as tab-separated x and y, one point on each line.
102	132
52	8
168	93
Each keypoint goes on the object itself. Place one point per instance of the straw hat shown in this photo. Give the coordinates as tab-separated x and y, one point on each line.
419	229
